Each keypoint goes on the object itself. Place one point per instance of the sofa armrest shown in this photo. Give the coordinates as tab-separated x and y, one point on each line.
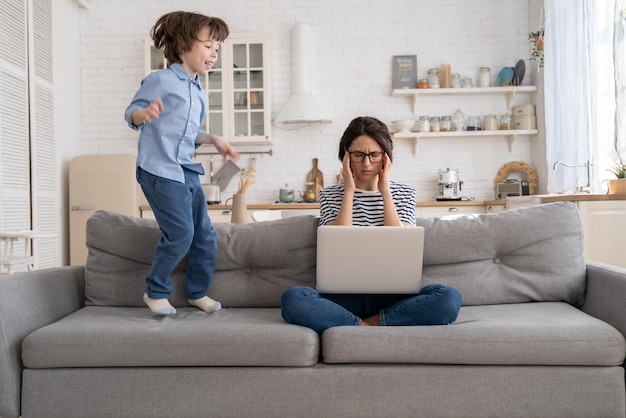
605	296
29	301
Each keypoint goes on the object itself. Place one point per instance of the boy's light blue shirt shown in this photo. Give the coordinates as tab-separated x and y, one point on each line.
167	144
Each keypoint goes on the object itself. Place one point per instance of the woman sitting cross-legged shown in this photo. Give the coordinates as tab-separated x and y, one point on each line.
367	197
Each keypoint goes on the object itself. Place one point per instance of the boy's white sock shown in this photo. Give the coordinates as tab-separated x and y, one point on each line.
159	306
205	303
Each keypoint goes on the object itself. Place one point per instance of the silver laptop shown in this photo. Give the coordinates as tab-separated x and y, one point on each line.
366	259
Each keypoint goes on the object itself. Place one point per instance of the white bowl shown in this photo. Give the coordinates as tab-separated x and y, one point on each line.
404	125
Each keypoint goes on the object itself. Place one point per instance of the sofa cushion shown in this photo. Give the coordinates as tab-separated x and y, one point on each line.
528	254
98	336
538	333
256	262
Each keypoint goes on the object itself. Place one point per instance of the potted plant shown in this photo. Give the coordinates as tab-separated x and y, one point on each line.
618	186
536	44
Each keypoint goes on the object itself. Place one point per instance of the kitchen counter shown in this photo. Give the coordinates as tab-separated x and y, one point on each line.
292	206
256	206
581	197
425	209
565	197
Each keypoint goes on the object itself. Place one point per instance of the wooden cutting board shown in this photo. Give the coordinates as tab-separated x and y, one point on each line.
317	177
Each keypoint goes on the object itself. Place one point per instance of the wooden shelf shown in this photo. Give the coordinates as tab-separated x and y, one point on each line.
510	134
508	91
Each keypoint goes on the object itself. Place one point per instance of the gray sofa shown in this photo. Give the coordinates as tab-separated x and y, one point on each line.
540	333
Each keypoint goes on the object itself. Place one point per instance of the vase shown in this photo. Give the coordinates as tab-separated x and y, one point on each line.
539	43
239	211
617	186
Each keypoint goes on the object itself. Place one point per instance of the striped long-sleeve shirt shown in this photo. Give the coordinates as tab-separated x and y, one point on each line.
367	206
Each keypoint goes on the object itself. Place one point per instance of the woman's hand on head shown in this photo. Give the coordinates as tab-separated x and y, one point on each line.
383	176
348	177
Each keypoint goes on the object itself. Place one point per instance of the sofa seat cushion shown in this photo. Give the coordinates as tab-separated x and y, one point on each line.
538	333
131	337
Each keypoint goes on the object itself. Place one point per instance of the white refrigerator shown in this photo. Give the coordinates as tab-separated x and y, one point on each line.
100	182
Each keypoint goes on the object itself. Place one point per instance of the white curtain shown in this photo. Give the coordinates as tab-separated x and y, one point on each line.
619	46
580	79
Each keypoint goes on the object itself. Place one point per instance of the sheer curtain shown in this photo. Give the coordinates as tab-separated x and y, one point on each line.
582	78
619	46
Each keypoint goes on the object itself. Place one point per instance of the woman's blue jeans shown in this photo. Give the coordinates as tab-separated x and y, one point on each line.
180	210
436	304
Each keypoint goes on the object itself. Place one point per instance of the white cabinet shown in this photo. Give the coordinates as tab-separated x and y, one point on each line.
605	227
217	216
495	208
237	87
508	92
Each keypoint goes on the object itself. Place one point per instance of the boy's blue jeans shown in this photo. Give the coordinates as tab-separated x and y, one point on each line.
436	304
180	210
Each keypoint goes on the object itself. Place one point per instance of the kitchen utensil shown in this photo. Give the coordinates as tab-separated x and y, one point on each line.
225	174
316	177
239	210
524	110
211	191
404	125
449	184
518	73
508	188
525	122
309	193
505	76
286	194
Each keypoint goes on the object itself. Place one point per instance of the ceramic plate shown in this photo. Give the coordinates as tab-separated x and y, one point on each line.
505	76
518	73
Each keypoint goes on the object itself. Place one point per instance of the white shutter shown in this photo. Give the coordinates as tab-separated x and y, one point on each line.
28	173
43	185
14	118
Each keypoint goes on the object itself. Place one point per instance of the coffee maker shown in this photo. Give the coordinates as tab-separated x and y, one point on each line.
449	184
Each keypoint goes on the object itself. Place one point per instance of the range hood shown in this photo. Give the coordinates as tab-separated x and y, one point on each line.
301	110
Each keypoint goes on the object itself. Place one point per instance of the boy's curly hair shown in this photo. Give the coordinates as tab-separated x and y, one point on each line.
175	32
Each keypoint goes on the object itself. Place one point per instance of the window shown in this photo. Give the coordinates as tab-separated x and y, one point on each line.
585	90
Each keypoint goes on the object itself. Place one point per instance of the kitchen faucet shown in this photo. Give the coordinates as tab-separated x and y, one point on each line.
587	165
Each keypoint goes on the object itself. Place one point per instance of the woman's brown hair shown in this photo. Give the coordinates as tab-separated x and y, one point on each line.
372	127
175	32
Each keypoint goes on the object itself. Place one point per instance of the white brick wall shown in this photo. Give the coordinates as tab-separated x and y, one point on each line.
353	42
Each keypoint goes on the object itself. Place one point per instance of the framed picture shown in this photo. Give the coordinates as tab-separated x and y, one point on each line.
405	71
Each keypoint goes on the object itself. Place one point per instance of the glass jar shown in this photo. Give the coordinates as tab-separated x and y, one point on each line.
446	124
423	125
458	118
433	78
423	83
435	124
490	123
466	82
456	81
484	77
506	122
474	123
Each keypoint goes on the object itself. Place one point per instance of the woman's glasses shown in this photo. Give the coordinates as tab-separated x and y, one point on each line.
359	157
